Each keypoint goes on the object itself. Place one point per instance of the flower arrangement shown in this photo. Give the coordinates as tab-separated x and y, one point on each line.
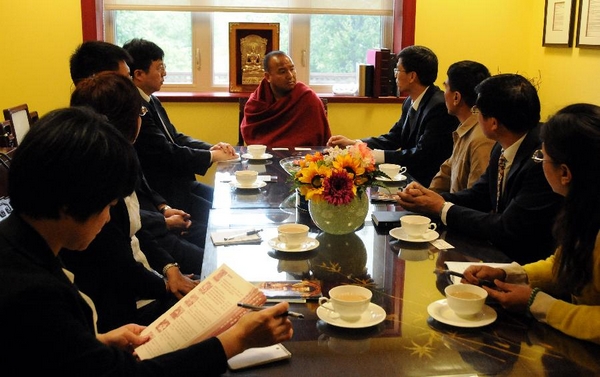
337	175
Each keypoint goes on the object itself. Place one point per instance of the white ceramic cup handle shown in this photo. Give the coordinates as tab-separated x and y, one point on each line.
323	300
402	170
432	226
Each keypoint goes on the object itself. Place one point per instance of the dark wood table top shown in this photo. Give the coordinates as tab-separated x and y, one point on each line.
408	342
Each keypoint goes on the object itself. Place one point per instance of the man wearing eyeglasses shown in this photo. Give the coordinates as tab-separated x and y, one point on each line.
511	205
170	159
422	138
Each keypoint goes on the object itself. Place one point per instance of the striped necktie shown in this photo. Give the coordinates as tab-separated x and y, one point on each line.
501	166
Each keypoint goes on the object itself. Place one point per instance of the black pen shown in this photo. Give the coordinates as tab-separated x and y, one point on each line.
249	233
257	308
487	283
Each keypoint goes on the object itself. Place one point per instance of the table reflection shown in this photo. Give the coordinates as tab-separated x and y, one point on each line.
402	279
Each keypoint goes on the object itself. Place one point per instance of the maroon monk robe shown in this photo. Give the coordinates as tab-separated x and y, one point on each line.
297	119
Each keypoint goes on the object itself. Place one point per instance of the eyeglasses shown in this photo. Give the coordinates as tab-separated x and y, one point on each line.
538	156
143	111
475	109
396	71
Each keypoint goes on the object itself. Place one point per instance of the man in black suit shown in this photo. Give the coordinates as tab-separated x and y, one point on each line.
512	207
170	159
422	138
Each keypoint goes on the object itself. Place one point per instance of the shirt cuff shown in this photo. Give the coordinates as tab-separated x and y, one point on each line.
444	211
540	306
515	274
379	155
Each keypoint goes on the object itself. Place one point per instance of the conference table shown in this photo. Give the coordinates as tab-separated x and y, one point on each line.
404	339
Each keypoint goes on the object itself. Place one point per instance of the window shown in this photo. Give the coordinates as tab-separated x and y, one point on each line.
326	46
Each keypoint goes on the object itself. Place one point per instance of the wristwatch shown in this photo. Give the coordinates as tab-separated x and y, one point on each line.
163	209
168	266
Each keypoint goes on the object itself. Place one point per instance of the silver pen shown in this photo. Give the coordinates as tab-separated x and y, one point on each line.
257	308
249	233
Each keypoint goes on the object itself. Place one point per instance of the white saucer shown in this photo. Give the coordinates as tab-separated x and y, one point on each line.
397	178
265	156
400	234
255	185
306	246
374	315
440	311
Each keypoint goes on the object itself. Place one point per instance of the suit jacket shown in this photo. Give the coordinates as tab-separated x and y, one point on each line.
45	315
522	228
108	273
424	149
169	158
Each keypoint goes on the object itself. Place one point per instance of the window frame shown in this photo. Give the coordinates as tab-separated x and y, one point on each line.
404	11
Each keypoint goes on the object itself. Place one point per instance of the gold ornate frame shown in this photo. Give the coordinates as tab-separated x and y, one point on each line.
248	42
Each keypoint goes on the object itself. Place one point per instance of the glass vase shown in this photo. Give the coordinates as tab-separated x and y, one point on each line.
339	219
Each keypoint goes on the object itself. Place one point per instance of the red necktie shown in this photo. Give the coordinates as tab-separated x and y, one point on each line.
501	166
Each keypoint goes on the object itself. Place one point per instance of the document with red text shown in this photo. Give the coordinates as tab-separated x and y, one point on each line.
207	310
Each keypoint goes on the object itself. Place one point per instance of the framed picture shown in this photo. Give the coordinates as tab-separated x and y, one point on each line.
588	30
248	44
559	16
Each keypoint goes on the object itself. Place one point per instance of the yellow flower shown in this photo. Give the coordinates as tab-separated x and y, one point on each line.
312	177
336	175
350	164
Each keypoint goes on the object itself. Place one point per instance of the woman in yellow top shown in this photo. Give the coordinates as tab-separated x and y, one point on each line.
571	156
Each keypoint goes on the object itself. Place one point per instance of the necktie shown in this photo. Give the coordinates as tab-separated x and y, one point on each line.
501	166
410	124
152	104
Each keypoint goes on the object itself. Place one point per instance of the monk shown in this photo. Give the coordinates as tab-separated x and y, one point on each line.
282	112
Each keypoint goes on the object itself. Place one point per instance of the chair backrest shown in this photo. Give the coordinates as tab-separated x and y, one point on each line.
7	134
242	103
20	119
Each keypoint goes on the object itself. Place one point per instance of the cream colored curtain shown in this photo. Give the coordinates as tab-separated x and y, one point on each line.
349	7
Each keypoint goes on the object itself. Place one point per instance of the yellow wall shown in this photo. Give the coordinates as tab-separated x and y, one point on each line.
506	35
37	38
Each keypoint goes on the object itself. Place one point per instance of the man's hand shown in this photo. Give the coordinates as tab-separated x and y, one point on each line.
177	220
225	148
340	140
126	337
419	199
179	284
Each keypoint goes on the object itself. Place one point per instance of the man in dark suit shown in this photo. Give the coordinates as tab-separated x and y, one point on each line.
422	138
511	205
170	159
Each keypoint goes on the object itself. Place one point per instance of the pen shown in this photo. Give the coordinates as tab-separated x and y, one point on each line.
487	283
257	308
249	233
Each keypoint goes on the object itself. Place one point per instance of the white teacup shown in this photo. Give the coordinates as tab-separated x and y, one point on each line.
246	177
292	235
416	225
466	300
349	301
392	170
257	150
